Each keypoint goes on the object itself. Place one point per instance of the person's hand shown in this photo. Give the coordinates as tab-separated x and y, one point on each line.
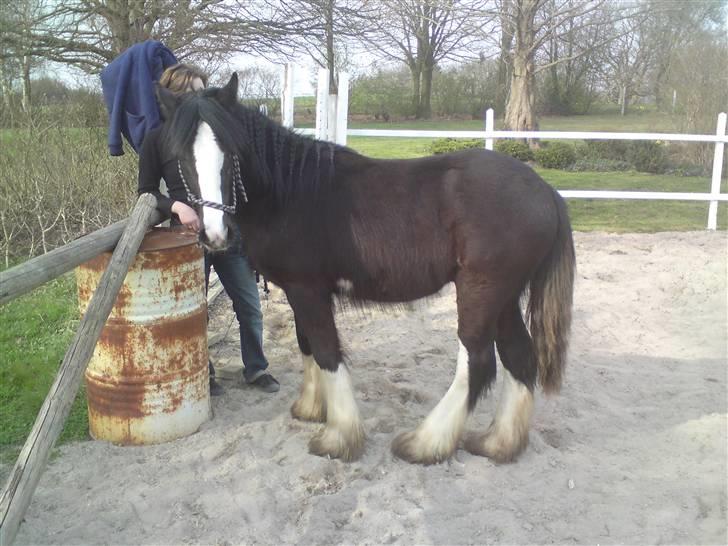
186	215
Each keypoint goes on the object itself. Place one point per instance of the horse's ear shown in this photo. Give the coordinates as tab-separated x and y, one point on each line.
228	96
167	100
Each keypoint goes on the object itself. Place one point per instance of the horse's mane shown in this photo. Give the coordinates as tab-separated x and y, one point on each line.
283	162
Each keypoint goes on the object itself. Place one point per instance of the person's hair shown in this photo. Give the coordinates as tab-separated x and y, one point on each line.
178	78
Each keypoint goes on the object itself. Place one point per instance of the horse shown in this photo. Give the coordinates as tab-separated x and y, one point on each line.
323	222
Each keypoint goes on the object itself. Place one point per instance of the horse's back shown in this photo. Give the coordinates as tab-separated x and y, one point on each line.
415	223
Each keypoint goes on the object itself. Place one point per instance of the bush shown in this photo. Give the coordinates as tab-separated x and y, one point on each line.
687	169
58	184
641	155
600	165
648	157
447	145
556	155
615	150
515	149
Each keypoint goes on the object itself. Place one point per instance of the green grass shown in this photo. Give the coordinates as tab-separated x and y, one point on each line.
621	215
37	329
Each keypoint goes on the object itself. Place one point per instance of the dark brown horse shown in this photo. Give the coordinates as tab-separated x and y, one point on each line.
320	220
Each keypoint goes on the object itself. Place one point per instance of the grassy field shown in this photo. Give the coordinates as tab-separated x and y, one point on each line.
37	329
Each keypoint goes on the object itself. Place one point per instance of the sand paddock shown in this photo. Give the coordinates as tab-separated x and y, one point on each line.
632	451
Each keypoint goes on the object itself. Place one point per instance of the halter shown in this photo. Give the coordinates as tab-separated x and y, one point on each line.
237	187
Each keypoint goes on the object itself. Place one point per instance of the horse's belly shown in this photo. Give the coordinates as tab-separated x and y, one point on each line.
389	289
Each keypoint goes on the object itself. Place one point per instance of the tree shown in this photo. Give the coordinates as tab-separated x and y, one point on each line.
673	26
627	60
327	30
17	54
422	33
91	33
534	23
569	84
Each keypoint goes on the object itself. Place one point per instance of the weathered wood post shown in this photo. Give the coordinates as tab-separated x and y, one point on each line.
48	425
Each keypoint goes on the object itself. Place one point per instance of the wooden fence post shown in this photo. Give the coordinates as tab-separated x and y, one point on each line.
48	425
717	169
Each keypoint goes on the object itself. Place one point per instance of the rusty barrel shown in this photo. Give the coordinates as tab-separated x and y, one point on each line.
147	381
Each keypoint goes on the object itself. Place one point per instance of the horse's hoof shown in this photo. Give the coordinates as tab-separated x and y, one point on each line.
409	447
333	443
494	446
308	410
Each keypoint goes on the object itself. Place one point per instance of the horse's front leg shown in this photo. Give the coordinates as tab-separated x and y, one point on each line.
343	435
310	405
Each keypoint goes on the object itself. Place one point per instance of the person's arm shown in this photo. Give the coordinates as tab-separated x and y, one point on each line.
150	173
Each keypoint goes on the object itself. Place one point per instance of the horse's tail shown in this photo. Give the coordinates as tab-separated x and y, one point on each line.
549	305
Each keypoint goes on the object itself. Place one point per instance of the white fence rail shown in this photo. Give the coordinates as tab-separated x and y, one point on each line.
333	127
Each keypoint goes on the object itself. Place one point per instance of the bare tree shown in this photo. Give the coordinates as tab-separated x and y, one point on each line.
570	83
536	23
17	54
422	33
673	26
504	65
90	33
627	60
326	30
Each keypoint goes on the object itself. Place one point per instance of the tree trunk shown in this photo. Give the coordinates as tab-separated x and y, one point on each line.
26	101
425	111
520	110
330	53
504	65
416	71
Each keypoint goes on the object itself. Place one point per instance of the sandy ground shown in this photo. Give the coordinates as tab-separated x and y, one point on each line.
632	451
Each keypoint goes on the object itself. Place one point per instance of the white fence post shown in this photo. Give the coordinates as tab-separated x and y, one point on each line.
489	128
342	109
717	168
287	97
322	105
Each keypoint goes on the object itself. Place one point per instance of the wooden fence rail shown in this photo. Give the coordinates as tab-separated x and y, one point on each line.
48	425
23	278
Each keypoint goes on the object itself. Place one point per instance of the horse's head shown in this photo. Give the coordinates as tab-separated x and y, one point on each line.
197	136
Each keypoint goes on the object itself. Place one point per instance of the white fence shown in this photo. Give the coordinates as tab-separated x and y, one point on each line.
331	124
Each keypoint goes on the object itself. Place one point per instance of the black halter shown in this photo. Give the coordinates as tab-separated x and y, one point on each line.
237	187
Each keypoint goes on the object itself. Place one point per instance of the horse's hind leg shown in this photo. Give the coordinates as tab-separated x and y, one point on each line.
343	435
310	404
507	435
437	437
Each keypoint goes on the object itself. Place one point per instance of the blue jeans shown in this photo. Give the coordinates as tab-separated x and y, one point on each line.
238	279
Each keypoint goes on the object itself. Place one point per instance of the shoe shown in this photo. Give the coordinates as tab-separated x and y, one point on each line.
266	383
215	388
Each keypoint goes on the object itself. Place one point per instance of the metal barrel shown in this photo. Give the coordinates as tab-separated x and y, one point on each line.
147	381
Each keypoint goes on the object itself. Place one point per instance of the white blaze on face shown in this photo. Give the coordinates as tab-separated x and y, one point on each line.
208	162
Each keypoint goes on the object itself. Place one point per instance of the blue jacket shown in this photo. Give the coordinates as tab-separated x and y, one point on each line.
128	87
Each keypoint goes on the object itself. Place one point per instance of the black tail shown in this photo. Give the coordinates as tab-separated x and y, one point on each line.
549	305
